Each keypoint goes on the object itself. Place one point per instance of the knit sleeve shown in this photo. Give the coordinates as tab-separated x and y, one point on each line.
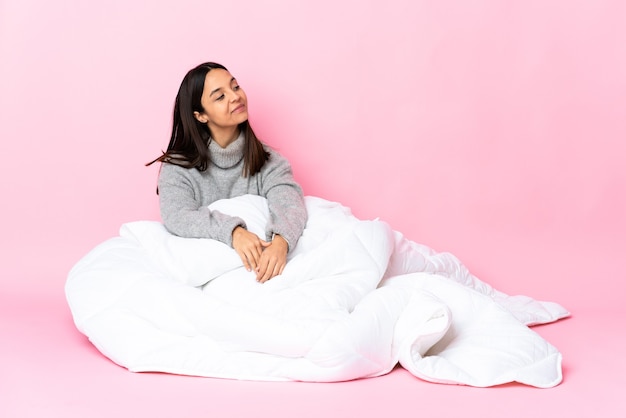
182	211
285	199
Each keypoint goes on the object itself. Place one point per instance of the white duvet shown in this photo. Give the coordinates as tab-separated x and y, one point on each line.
355	299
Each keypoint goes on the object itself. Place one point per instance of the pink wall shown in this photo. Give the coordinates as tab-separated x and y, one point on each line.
494	131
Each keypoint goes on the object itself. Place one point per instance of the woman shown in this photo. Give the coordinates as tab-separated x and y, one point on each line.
214	154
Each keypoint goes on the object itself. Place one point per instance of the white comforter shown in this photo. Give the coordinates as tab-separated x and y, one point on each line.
355	299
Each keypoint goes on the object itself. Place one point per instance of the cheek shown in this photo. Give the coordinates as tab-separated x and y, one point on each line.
214	110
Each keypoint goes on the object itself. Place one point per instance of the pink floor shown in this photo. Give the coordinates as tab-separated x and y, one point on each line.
49	369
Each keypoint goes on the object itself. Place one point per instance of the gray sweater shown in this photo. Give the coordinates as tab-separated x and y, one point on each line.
185	193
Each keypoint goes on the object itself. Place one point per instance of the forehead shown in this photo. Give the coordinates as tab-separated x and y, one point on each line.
217	78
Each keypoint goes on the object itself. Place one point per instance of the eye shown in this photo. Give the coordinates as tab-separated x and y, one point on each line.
220	98
236	87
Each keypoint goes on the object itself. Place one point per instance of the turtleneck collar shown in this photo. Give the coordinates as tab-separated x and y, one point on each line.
230	156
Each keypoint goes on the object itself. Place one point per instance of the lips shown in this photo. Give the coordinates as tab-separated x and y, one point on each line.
239	109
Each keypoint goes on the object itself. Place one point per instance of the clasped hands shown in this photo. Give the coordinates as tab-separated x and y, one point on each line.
266	259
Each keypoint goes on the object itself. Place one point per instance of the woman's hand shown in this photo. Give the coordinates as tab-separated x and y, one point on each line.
249	247
273	259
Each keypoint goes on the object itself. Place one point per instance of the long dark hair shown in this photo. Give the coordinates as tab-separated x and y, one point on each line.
188	146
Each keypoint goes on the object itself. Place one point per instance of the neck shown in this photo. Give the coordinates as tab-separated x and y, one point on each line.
229	156
224	137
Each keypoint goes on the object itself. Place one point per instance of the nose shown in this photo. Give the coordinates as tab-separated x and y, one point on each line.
234	96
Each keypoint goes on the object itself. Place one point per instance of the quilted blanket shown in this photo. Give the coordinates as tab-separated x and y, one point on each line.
355	299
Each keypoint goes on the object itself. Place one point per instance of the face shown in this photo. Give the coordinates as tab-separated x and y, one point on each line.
225	105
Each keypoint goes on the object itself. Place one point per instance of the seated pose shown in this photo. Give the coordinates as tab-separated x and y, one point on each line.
214	154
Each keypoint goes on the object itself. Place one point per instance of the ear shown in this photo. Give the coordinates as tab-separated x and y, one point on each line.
201	117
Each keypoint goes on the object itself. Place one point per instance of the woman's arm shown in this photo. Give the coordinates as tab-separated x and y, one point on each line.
288	216
184	215
285	200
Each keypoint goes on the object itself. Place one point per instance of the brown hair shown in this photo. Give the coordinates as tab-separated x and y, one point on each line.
188	146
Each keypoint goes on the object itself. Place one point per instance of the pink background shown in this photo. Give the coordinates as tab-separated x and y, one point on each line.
491	129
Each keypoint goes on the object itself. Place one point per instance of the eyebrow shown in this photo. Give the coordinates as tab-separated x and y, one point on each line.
219	88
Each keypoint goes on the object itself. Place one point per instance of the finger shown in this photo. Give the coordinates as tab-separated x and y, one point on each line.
266	277
259	246
255	252
244	259
254	261
261	268
266	272
276	272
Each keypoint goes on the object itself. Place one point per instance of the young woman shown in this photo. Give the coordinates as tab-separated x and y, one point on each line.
214	154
